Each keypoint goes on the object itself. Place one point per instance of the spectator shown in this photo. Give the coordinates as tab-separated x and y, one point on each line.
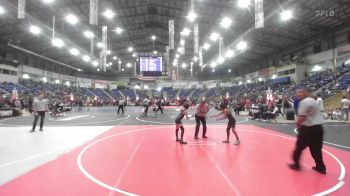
345	104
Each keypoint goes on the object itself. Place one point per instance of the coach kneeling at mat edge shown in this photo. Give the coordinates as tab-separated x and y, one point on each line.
309	125
40	106
201	113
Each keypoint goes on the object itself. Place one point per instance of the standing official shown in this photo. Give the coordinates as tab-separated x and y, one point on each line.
309	125
40	106
121	106
201	113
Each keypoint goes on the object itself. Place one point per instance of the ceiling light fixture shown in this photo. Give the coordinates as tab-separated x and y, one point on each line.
186	32
57	43
214	36
89	34
242	45
226	22
191	16
72	19
119	30
35	30
286	15
109	14
74	51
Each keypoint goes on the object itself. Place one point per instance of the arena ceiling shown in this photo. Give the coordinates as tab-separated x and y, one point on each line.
141	19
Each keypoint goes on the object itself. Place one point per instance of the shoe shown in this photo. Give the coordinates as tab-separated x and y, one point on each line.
182	142
31	131
237	142
226	141
177	140
294	167
205	137
321	171
41	130
196	137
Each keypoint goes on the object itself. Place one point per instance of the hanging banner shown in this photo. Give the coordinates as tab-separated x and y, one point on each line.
167	54
259	14
172	34
104	48
196	38
221	46
21	9
93	19
200	57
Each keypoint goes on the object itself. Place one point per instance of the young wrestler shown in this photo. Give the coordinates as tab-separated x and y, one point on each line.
178	121
226	113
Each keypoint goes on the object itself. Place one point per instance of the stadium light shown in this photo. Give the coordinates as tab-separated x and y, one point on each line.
213	70
123	69
226	22
72	19
195	59
182	42
48	1
89	34
35	30
186	32
249	81
274	76
286	15
214	36
184	65
229	54
213	64
243	3
86	58
206	46
74	51
155	52
57	43
229	71
128	65
99	45
153	37
68	83
240	83
2	10
134	55
191	16
115	58
110	63
109	52
119	30
109	14
57	81
25	76
177	55
95	63
180	50
260	79
174	64
44	79
130	49
316	68
220	60
242	45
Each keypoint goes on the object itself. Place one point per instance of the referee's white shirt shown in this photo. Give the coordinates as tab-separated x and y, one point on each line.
308	107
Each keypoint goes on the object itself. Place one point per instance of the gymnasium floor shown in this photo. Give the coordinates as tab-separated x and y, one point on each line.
97	152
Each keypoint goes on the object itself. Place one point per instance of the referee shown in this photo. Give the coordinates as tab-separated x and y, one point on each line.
309	125
40	106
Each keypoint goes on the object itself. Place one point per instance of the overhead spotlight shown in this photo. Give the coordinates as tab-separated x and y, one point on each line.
108	52
174	64
128	65
25	76
134	55
48	1
118	30
180	50
72	19
119	62
186	31
110	63
229	54
226	22
74	51
220	60
177	55
115	58
191	16
95	63
155	52
286	15
182	42
260	79
86	58
213	70
123	69
243	3
99	45
109	14
153	37
98	70
2	10
44	79
242	45
57	81
274	76
195	59
57	43
214	36
213	64
130	49
89	34
184	65
229	71
35	30
206	46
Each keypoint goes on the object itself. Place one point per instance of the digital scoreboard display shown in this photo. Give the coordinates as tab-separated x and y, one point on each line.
151	64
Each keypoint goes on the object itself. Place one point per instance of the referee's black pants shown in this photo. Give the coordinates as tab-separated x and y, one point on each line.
121	107
200	119
311	137
36	118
